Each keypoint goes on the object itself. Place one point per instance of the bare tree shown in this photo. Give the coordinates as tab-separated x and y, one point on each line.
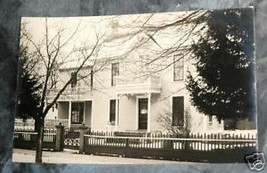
46	56
165	119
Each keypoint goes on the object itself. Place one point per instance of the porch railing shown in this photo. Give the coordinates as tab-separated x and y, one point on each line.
151	80
148	84
28	125
69	92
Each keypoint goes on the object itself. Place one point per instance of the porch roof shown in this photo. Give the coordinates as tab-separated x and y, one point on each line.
137	89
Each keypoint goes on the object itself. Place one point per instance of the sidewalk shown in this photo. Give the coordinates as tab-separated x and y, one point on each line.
69	156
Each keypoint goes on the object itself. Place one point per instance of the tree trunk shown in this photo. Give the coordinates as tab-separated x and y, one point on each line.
40	137
37	124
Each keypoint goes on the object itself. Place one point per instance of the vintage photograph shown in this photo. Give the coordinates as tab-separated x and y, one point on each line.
143	88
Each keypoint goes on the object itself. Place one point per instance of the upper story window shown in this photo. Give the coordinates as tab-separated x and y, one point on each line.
114	73
210	120
144	63
73	79
91	78
178	68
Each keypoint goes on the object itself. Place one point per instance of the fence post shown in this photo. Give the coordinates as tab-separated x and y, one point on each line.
83	130
127	143
59	137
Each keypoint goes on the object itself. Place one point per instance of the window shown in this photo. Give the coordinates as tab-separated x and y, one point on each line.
178	68
112	111
114	73
91	78
73	79
77	112
144	63
210	120
178	111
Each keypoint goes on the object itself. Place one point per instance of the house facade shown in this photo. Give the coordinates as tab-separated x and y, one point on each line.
127	95
132	88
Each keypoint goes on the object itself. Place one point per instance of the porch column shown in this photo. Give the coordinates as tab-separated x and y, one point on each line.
69	113
117	114
84	110
148	112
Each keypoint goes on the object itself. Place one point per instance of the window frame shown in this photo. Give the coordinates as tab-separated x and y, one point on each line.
210	120
112	121
80	117
91	78
74	80
178	123
113	80
180	67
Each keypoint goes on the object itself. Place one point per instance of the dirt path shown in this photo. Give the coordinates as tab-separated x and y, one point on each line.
68	156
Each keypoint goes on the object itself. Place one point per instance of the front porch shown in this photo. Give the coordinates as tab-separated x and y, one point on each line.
77	112
135	96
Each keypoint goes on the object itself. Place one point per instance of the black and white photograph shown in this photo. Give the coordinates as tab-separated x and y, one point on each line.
151	88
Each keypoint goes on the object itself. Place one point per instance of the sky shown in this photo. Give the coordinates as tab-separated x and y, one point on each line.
117	35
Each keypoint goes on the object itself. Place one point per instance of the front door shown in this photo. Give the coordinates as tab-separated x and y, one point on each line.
142	113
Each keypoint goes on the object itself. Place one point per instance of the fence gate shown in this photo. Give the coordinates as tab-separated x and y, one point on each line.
71	139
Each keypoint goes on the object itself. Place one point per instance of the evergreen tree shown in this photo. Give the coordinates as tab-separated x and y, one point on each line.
225	85
28	90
